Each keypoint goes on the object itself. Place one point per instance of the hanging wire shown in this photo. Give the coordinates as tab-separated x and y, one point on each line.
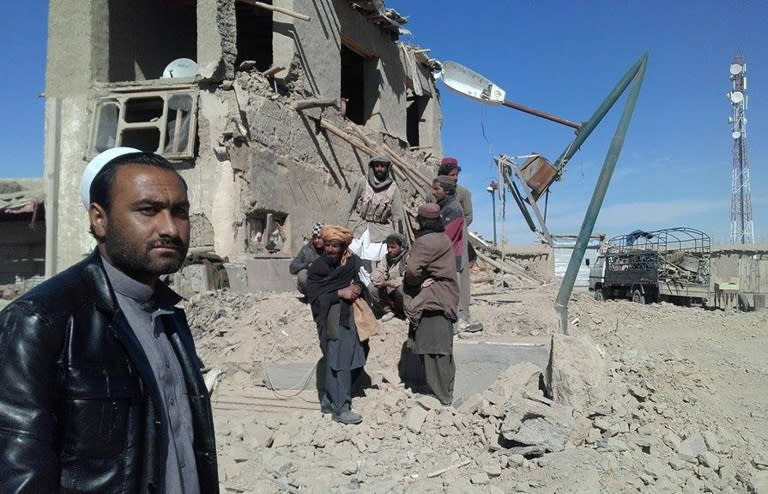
501	191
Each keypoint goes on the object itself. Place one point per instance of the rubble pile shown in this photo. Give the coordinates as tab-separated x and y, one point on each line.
672	410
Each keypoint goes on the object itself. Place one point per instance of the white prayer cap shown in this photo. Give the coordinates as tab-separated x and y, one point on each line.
93	168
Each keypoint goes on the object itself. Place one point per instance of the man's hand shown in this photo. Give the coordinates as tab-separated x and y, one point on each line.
427	282
350	293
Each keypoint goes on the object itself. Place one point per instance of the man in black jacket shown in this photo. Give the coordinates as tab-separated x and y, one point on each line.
306	256
100	385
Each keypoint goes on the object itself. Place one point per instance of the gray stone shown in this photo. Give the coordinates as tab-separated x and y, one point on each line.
671	440
617	445
760	462
479	478
276	464
349	468
759	482
692	447
709	460
540	424
577	373
281	439
429	402
515	460
593	436
638	392
518	377
617	428
602	423
470	404
712	442
415	419
492	469
259	436
677	464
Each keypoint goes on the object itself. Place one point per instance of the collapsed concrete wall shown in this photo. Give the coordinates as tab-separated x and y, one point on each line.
260	172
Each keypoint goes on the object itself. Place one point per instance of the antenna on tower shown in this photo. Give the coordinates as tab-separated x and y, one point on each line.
742	228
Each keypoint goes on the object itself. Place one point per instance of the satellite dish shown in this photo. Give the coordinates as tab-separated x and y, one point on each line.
736	134
736	97
180	68
469	83
736	68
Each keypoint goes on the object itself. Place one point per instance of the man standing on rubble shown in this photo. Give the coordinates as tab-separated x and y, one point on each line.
332	287
432	299
306	256
375	209
450	167
100	385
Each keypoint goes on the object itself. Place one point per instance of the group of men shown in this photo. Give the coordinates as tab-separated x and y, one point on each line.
375	214
426	283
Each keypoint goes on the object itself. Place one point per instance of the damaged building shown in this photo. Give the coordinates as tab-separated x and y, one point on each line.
270	111
22	246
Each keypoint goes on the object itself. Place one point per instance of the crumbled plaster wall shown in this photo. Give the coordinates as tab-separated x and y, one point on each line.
318	43
315	43
255	151
293	165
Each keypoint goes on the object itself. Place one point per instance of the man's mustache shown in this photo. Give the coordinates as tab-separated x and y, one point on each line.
167	243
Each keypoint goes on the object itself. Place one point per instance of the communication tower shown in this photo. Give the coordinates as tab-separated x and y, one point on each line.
742	228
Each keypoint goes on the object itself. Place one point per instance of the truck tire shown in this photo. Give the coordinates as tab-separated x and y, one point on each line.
638	297
599	295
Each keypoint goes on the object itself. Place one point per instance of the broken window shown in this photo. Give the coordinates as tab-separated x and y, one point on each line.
415	119
267	231
254	34
355	80
144	36
162	122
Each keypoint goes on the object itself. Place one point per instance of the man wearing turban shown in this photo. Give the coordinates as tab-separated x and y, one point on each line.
333	284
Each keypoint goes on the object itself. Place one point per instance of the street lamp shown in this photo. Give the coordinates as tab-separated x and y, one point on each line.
492	188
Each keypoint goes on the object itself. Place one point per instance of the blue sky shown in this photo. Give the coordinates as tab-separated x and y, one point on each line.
559	56
563	57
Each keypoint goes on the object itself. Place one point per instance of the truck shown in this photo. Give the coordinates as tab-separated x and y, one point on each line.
671	265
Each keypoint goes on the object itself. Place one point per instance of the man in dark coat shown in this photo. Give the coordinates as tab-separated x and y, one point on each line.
450	167
332	286
444	192
432	299
100	386
309	252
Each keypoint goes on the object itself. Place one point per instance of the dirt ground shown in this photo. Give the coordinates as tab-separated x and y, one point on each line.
684	404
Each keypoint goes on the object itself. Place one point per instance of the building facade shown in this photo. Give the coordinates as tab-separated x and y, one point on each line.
240	96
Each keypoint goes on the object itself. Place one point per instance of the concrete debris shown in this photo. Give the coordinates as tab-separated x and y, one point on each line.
621	443
536	426
578	371
414	419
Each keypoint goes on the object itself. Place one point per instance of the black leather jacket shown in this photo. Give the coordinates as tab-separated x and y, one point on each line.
80	409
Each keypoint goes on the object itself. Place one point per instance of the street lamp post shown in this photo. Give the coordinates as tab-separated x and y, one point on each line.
492	187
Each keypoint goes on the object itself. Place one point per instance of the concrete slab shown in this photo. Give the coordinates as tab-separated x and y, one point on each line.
269	274
477	366
238	278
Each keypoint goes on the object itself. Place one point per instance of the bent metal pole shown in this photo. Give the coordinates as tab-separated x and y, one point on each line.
636	73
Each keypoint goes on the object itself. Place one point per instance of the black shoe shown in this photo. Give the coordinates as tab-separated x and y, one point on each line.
347	417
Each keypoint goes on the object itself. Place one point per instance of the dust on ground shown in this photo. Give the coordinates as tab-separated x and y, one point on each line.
683	406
